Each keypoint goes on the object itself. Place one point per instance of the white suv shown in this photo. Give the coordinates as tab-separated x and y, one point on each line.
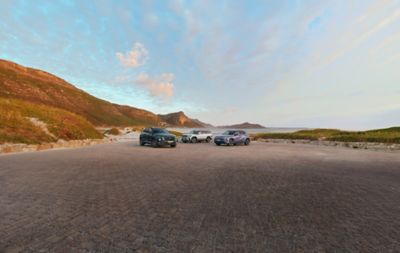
197	136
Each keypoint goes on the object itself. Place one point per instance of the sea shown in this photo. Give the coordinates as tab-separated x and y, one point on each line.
217	130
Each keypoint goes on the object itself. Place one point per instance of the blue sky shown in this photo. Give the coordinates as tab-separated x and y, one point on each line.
279	63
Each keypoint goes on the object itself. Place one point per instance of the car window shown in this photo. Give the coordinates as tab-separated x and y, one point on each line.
229	132
159	131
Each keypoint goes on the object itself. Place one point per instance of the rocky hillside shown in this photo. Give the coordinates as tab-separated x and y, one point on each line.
39	87
179	119
24	122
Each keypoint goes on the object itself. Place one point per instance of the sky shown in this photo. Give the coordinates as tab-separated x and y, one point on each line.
279	63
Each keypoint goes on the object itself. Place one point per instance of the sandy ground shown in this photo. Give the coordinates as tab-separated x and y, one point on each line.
266	197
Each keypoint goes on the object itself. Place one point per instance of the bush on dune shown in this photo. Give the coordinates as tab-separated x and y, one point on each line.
112	131
389	135
178	134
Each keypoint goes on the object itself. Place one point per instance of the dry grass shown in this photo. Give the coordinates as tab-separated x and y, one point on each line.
388	135
113	131
15	126
178	134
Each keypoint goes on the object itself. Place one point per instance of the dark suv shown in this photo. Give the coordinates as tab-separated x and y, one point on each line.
232	137
157	137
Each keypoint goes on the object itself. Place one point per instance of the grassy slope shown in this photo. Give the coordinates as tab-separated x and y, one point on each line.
42	88
388	135
178	134
15	127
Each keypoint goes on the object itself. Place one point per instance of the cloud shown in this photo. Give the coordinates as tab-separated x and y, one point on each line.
161	86
134	58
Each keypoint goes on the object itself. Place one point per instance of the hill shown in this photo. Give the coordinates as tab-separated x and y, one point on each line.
179	119
24	122
39	87
245	125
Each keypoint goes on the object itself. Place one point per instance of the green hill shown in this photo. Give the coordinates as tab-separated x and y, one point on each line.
24	122
40	87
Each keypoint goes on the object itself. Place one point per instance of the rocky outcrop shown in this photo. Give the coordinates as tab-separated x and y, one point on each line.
179	119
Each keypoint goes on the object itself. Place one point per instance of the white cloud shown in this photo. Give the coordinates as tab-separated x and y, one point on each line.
134	58
161	86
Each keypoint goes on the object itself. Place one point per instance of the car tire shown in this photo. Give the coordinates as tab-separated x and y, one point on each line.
194	140
208	139
247	142
231	142
218	144
173	145
141	143
154	144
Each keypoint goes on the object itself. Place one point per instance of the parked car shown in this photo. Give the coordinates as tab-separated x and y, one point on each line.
232	137
197	135
157	137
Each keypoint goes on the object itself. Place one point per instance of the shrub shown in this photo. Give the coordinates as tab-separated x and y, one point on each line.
178	134
113	131
389	135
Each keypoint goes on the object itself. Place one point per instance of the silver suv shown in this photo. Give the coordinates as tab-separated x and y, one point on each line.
197	136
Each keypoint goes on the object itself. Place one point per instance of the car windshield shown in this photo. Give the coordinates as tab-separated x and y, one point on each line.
194	132
159	131
229	132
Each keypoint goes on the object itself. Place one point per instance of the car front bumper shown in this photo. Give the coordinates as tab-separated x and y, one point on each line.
165	142
220	141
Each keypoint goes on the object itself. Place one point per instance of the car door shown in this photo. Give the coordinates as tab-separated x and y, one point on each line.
236	136
202	135
147	135
242	136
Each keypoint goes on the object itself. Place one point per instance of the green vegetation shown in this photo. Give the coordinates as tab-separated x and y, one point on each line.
388	135
113	131
178	134
35	86
16	126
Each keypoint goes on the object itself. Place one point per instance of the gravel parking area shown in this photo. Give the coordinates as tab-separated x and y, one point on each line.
265	197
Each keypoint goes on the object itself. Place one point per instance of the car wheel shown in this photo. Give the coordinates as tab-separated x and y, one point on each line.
173	145
194	140
154	143
247	142
141	143
218	144
208	139
231	143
